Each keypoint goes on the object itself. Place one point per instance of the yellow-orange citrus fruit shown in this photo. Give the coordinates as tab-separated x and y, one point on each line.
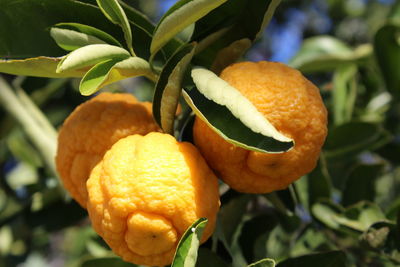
91	129
146	192
292	104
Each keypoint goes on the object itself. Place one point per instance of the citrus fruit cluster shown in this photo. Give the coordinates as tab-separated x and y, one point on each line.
143	188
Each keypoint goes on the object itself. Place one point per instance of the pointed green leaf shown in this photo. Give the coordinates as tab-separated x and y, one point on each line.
178	17
90	31
70	40
234	20
112	70
186	253
325	53
387	51
233	116
169	87
263	263
39	66
24	25
90	55
230	54
114	12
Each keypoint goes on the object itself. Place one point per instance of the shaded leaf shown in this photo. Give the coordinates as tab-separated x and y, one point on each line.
325	53
232	115
354	137
387	51
360	185
106	262
112	70
24	25
326	259
169	87
39	66
114	12
90	55
319	183
210	259
230	22
186	253
178	17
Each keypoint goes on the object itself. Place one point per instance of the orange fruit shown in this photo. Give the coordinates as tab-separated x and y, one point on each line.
292	104
146	192
91	129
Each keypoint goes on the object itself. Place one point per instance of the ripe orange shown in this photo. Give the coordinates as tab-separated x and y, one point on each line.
292	104
91	129
146	192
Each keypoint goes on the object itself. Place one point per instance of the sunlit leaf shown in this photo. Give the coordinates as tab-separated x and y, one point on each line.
112	70
71	36
114	12
263	263
186	253
169	87
70	40
325	53
232	115
39	66
90	55
178	17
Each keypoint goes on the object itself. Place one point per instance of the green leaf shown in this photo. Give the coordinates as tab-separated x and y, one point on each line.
114	12
319	183
263	263
71	36
230	54
113	70
357	217
387	52
186	253
178	17
232	115
344	93
351	138
39	66
210	259
360	185
325	53
70	40
326	259
106	262
169	87
25	24
228	23
90	55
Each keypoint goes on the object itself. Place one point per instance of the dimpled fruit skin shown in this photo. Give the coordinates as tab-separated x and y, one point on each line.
292	104
146	192
91	129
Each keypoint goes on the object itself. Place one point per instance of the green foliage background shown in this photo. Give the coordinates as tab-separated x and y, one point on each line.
345	213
